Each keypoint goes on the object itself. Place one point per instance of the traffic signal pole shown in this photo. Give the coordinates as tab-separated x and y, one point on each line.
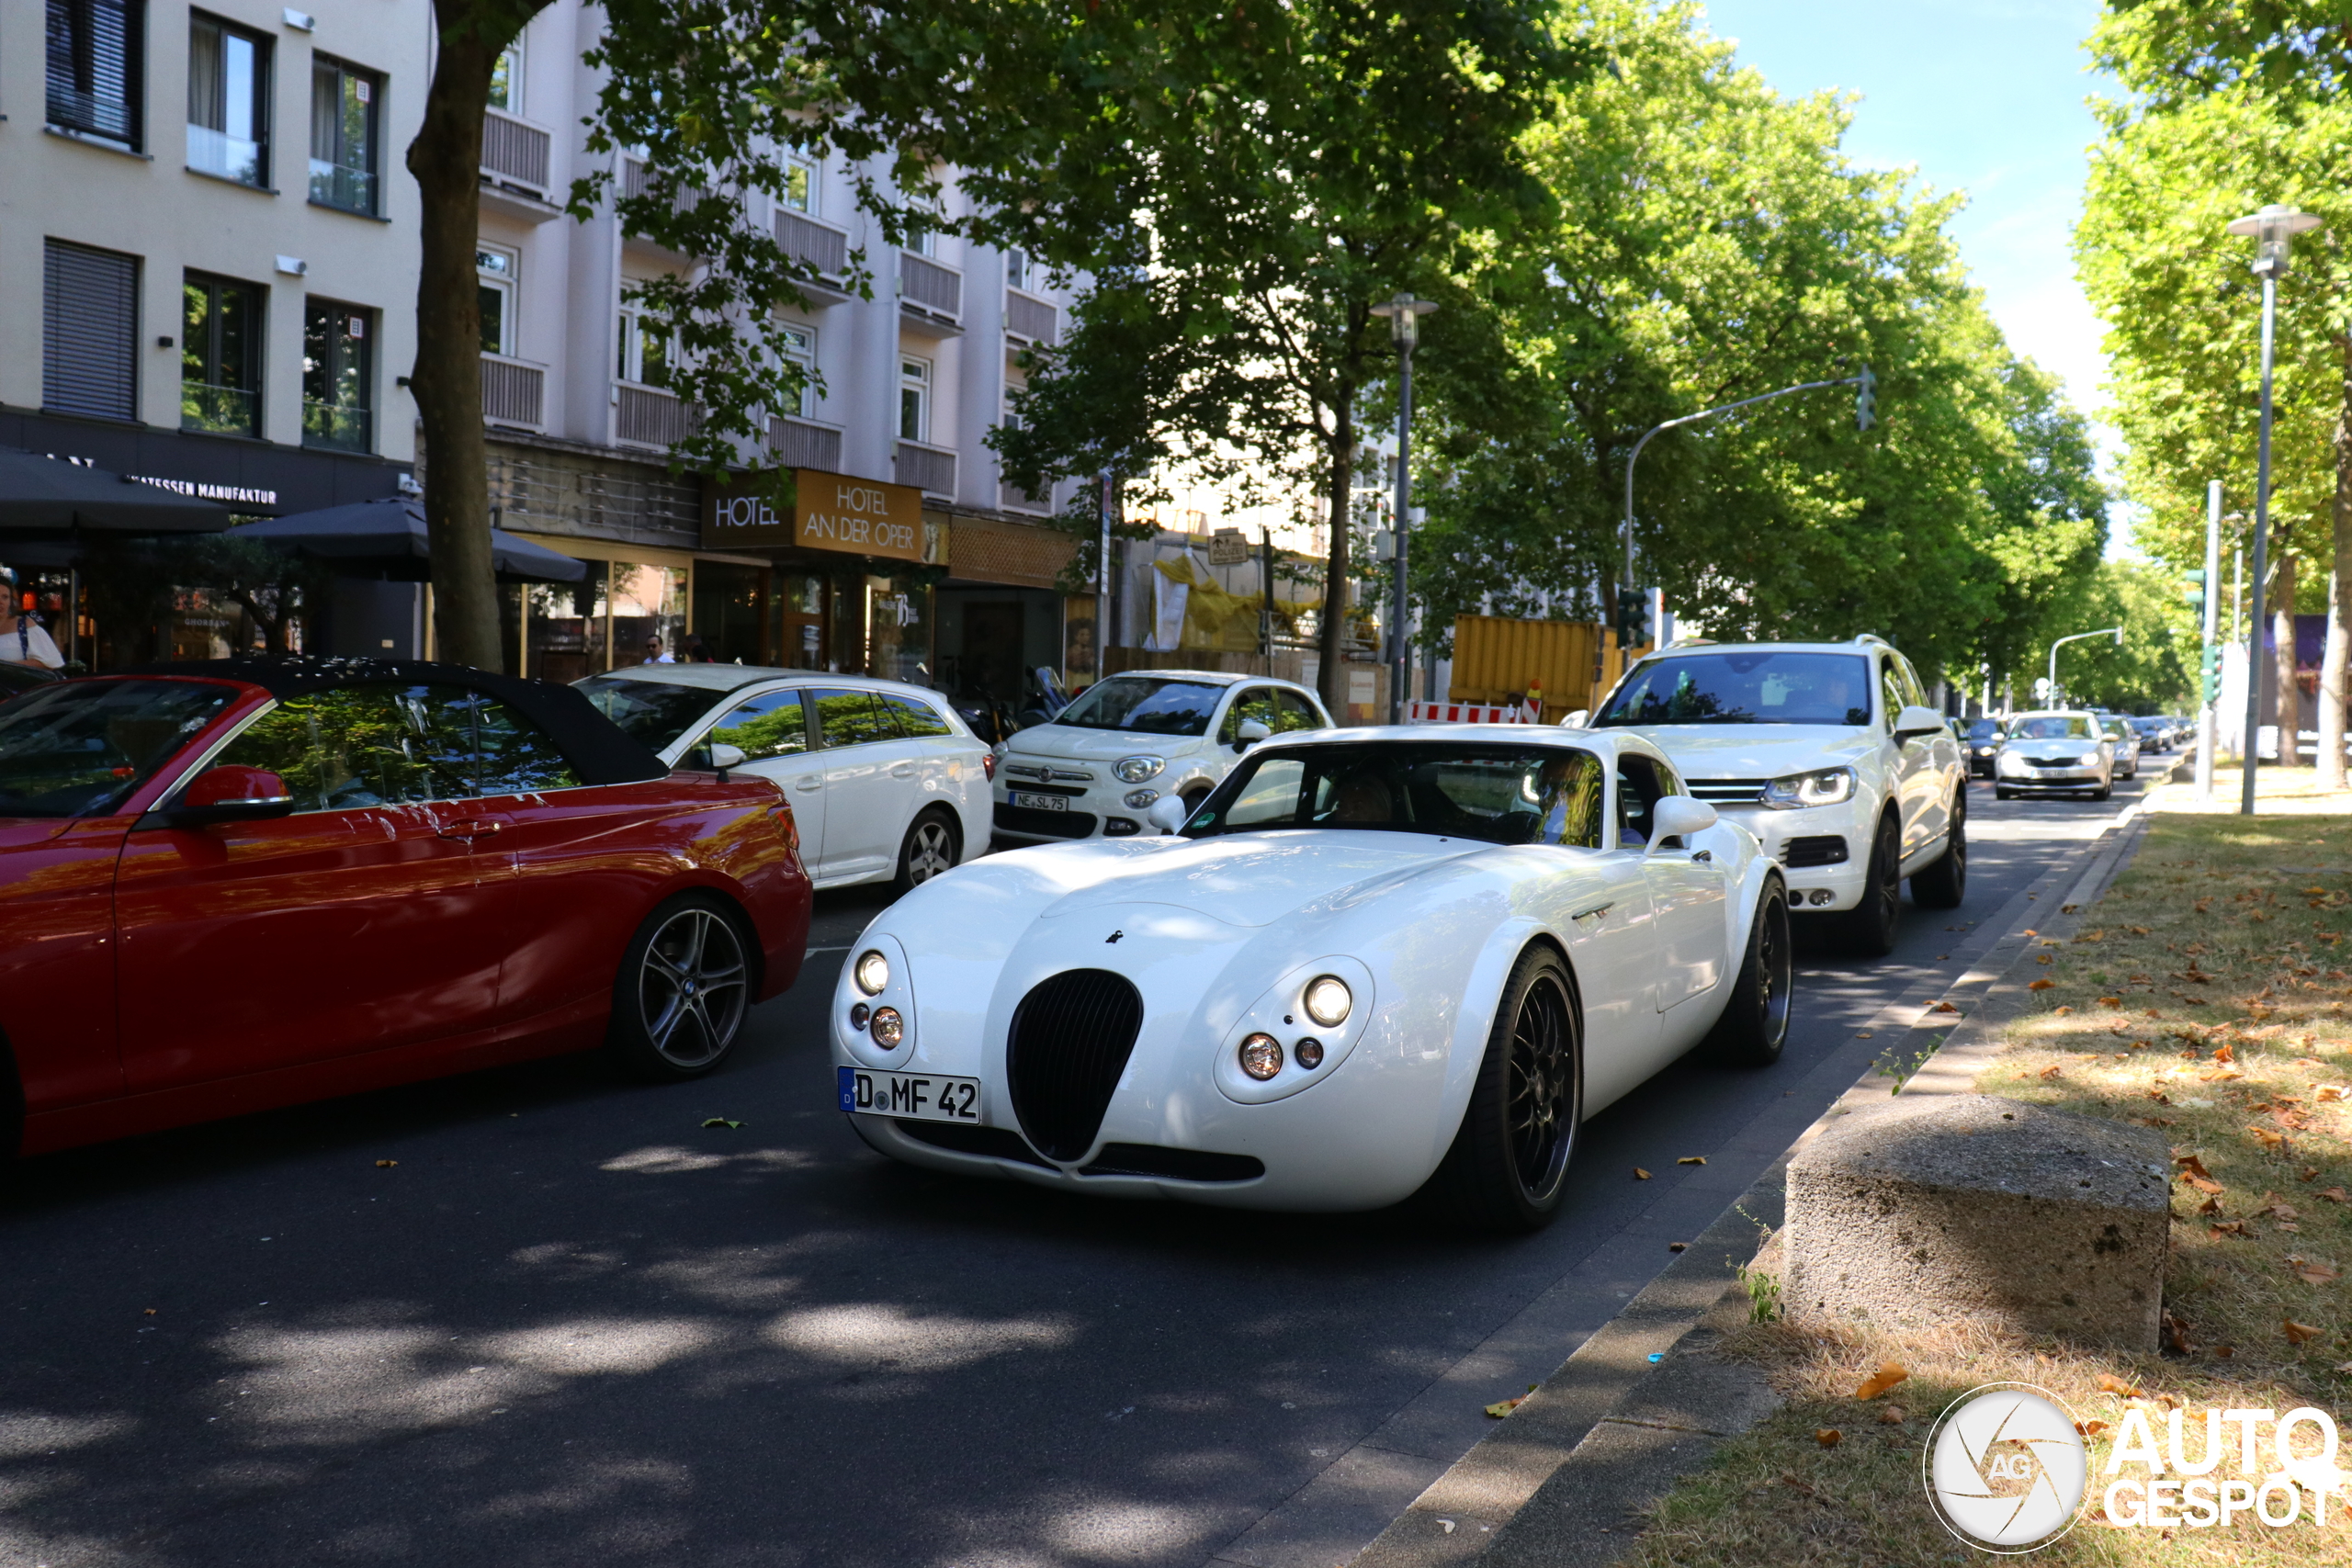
2209	687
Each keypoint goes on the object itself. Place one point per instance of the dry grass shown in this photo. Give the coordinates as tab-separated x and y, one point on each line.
2206	995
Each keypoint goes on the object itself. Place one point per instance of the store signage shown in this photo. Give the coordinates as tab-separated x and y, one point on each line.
816	511
1228	547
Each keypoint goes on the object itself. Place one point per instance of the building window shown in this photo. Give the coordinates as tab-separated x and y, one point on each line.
338	376
800	352
1016	269
228	101
343	136
90	337
506	78
801	187
914	399
220	351
644	350
96	56
495	268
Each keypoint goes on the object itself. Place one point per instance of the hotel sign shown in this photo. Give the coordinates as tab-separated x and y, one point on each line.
816	511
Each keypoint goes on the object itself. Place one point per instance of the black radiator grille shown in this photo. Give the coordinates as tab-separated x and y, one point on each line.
1057	824
1071	1036
1824	849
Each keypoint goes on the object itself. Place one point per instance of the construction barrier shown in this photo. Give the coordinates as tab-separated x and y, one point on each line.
1465	713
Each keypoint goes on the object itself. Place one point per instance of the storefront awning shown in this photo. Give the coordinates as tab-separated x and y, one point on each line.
387	538
43	498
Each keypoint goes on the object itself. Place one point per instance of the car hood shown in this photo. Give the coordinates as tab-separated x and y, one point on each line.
1756	751
1242	880
1067	742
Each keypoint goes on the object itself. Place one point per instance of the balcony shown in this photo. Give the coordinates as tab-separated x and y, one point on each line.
819	247
344	187
513	151
648	416
931	470
337	429
224	156
1013	498
220	411
1029	319
803	443
513	392
931	297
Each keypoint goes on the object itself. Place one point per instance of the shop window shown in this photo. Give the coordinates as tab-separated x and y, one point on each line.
344	153
728	602
645	349
797	621
338	378
800	353
914	398
801	187
776	725
899	631
851	718
221	356
228	101
649	607
506	78
89	331
97	52
564	627
495	267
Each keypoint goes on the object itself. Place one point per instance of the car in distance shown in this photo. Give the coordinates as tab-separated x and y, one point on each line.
2156	733
1982	743
1372	961
233	886
1828	754
1122	744
2126	742
885	779
2056	751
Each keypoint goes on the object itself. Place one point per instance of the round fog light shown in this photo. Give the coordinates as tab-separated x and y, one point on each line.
1261	1057
858	1014
1328	1001
872	974
1823	896
889	1027
1309	1052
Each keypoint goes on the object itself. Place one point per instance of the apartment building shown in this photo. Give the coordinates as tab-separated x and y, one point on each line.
216	202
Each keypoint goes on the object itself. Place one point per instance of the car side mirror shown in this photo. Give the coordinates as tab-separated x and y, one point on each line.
1168	814
230	792
1917	721
1575	720
1250	734
1676	817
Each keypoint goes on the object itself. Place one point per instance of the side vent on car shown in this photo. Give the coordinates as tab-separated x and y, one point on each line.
1072	1037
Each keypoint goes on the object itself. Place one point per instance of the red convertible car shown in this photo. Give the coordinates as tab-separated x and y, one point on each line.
227	886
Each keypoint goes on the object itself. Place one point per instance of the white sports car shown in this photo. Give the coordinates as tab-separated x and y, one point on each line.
1372	961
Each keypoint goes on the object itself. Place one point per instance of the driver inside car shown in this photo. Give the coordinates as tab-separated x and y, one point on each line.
1362	796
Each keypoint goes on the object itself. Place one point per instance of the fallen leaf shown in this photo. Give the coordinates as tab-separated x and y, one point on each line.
2228	1052
2192	1164
2062	1011
1692	1159
2225	1351
2327	1092
2042	985
151	1312
2110	1001
1794	1484
2159	1096
2317	1274
1943	1007
2090	1428
2299	1333
2120	1389
1892	1416
1830	1437
1676	1245
2269	1139
2311	1173
1503	1407
721	1121
2176	1334
1640	1175
386	1164
2050	1072
2211	1206
2336	1195
2137	930
1889	1374
2227	1227
2042	958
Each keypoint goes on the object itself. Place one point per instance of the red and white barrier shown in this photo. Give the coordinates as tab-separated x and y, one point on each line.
1465	713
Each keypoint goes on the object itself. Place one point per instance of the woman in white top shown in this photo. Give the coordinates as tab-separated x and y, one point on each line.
23	639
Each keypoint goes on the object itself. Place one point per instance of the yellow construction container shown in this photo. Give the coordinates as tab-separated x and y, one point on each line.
1496	660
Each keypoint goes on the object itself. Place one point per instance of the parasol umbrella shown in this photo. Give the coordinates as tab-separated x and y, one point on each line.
387	538
44	498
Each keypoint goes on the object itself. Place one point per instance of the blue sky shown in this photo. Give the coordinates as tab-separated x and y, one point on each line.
1981	96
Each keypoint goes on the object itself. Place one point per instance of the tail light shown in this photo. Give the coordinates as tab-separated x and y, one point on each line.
788	828
988	765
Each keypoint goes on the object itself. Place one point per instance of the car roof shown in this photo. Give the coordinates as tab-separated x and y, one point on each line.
1858	645
1206	677
1558	734
735	677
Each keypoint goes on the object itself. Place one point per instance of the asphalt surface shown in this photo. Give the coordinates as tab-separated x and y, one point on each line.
571	1326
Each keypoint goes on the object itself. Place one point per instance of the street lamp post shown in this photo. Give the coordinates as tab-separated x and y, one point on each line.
2115	632
1404	313
2273	229
2209	696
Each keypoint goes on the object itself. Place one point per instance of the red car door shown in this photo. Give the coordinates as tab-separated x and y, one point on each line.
357	923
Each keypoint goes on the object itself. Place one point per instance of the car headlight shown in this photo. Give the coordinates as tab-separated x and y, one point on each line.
1135	769
2088	759
1831	786
1137	799
1261	1057
2011	762
872	974
889	1027
1329	1000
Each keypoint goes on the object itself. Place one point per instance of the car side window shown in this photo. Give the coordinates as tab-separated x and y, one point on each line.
1296	712
1890	687
1915	690
1638	791
775	724
916	719
851	718
1253	702
511	754
1273	796
1570	800
350	748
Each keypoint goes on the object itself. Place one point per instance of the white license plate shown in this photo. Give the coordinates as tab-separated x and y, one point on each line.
924	1097
1041	802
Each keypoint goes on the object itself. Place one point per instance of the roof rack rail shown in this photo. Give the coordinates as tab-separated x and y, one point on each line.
1688	642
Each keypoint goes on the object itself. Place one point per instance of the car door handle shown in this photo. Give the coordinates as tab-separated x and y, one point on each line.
903	771
813	783
1702	854
472	827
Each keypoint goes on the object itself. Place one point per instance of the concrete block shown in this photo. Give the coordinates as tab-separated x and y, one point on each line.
1970	1206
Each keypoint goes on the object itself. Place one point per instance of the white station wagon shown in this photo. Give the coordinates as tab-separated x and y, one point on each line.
886	782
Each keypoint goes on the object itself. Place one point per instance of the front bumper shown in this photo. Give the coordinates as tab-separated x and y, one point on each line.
1824	856
2051	781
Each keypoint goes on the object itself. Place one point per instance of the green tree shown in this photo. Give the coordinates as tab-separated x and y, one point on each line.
2231	107
2152	671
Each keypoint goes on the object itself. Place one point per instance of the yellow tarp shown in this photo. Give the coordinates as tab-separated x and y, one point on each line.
1217	621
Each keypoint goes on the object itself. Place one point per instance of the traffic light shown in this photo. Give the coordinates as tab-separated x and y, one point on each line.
2212	681
2196	594
1865	398
1632	620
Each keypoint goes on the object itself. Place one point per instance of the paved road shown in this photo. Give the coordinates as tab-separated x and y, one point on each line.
570	1326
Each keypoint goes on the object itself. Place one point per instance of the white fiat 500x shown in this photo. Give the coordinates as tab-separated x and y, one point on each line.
1131	740
886	782
1372	961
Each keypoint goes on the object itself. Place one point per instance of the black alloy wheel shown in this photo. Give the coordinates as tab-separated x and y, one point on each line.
1943	885
1509	1163
684	988
1871	924
1754	1021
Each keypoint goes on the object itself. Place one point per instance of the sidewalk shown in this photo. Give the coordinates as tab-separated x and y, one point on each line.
2277	791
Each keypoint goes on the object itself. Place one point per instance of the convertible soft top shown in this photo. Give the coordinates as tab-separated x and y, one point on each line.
598	749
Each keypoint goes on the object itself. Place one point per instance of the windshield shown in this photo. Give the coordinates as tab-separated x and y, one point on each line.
1984	729
1746	686
78	749
654	712
2119	728
1498	792
2052	726
1144	703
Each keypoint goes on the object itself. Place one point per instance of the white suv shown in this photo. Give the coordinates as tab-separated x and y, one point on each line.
1828	752
1131	740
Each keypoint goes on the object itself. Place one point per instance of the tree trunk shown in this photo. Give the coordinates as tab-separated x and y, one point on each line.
2335	660
1331	676
2282	635
446	158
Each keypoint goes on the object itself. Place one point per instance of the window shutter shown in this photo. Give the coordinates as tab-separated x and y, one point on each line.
90	341
95	59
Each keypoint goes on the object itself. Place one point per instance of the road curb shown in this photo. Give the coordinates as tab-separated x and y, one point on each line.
1556	1445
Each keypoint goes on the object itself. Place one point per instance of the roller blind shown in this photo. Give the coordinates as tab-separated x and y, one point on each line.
90	338
96	54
